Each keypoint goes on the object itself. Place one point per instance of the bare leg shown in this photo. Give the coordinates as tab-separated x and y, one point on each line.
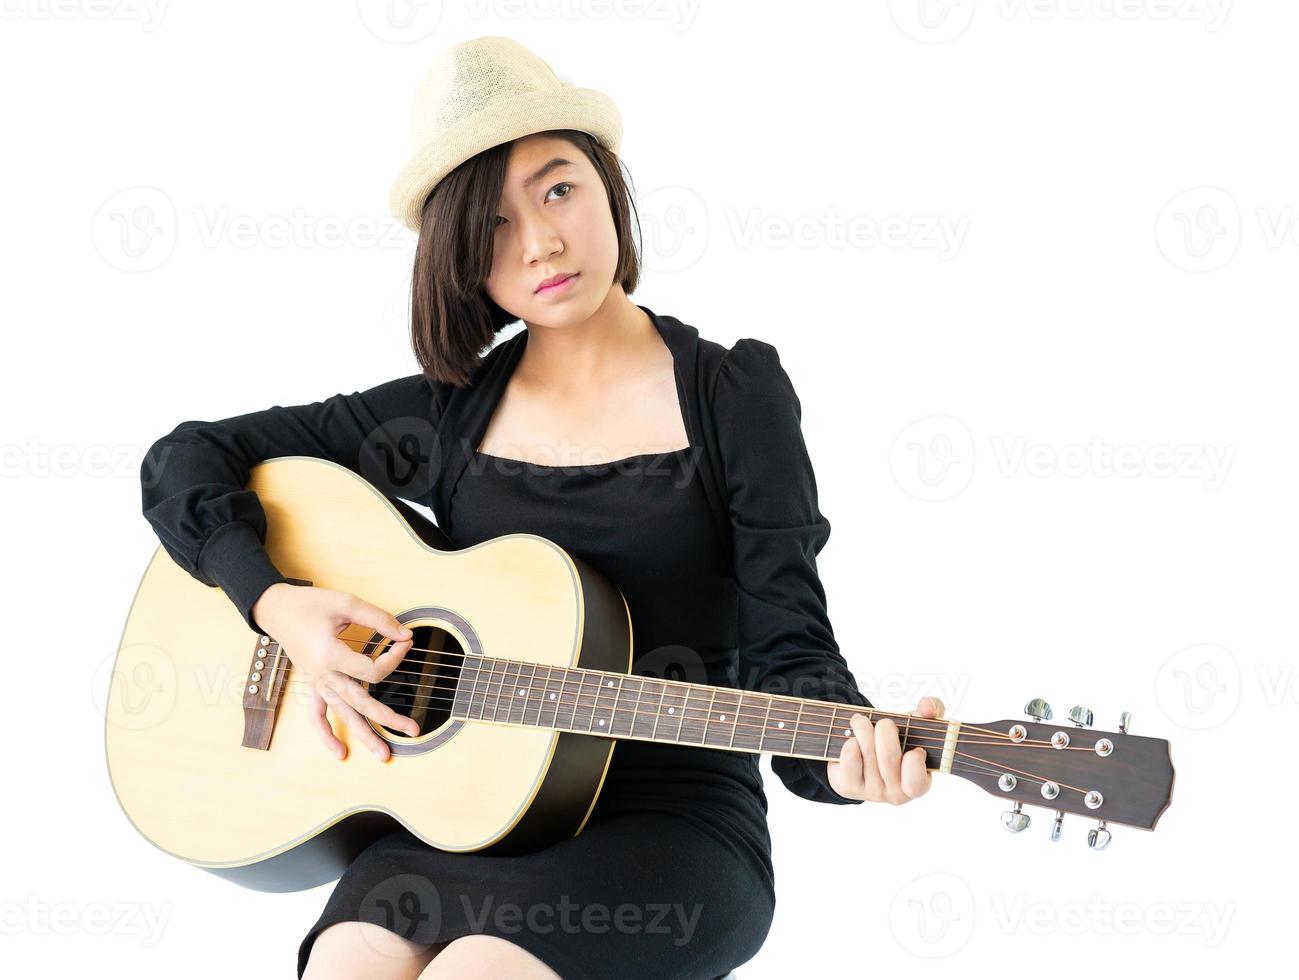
354	949
486	957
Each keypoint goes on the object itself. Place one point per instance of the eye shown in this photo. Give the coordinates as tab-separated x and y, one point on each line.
558	186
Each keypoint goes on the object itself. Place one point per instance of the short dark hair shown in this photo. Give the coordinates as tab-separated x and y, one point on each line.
453	321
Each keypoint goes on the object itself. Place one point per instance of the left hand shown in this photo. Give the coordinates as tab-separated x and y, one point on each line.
872	767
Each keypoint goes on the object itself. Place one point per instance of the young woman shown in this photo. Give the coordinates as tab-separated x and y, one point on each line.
673	465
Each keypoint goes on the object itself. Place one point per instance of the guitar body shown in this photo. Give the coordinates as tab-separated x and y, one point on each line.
240	784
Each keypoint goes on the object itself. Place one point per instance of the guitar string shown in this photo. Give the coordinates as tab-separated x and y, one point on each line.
915	736
790	702
590	699
962	762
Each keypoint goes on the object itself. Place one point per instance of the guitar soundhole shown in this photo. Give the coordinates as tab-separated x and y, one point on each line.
423	686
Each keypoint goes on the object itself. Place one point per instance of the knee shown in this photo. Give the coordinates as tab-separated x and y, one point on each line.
349	949
474	956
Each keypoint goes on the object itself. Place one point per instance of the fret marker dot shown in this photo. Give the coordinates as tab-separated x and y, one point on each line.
610	684
780	724
523	690
671	710
723	717
552	695
601	722
847	731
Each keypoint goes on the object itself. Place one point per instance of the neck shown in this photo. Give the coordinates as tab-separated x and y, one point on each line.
580	356
594	702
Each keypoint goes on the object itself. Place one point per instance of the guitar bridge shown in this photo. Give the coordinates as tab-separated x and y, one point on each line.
264	685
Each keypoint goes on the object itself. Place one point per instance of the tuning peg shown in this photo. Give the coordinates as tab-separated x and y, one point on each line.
1098	838
1080	716
1124	720
1055	827
1038	709
1015	820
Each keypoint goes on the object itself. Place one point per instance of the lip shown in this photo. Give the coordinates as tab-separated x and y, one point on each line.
556	284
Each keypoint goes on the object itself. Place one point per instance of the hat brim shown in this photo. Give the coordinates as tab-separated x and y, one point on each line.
583	109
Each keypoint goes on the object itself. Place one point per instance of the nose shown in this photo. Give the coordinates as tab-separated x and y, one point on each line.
540	239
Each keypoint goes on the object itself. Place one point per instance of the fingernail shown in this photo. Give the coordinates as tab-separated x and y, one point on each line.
377	754
405	631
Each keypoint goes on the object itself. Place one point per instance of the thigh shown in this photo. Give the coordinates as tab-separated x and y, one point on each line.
470	957
351	949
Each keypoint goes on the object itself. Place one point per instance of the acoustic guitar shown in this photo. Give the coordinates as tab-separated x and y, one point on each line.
520	679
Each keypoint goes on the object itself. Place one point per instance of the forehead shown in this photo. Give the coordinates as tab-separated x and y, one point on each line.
531	154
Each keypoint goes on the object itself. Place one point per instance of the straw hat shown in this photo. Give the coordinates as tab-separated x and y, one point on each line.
479	94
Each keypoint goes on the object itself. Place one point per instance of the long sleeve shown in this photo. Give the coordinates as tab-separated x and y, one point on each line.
786	643
193	479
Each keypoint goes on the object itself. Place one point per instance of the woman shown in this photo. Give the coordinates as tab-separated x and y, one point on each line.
674	466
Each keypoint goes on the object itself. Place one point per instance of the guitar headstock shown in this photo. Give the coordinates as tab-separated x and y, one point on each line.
1113	777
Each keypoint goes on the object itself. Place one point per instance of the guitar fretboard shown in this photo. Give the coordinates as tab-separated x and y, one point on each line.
629	706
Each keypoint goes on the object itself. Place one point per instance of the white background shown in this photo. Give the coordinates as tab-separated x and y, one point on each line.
1047	382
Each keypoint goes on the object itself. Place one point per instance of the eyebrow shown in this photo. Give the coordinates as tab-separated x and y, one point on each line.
545	169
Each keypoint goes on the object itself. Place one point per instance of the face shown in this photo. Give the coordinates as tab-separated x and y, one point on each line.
553	219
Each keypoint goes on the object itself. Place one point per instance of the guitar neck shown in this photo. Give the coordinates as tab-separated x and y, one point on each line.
627	706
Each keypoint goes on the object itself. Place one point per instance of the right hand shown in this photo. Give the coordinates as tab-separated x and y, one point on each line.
306	621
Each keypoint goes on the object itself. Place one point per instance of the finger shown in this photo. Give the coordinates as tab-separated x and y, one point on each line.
364	613
360	699
916	778
389	660
359	727
846	773
888	754
320	723
362	666
873	785
930	708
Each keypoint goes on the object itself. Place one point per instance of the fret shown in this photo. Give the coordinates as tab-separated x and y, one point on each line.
548	697
558	698
564	698
781	732
766	722
527	698
603	722
737	708
500	692
708	717
473	692
615	726
658	711
907	731
468	693
519	691
798	721
487	689
576	699
747	736
692	723
635	708
833	727
676	705
581	690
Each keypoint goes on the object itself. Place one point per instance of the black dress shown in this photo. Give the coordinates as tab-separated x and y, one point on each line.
714	548
678	838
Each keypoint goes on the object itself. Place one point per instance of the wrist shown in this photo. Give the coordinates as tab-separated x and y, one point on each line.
263	610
